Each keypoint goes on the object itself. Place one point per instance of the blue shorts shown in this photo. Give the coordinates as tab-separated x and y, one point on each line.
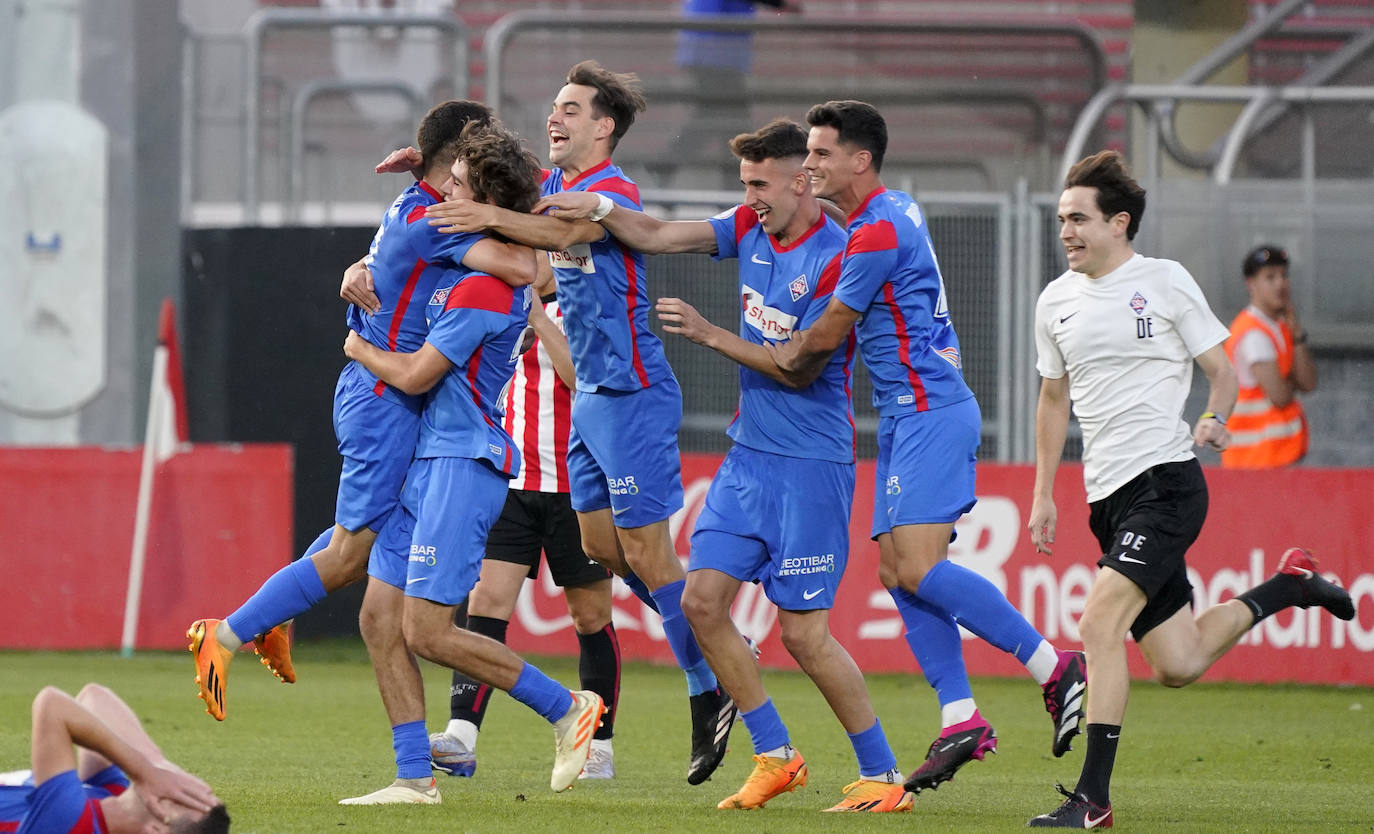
449	505
377	437
781	521
927	466
622	453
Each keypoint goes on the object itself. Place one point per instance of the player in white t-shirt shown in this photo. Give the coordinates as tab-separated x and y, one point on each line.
1117	335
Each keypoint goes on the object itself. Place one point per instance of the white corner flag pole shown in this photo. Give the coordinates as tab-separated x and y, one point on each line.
157	414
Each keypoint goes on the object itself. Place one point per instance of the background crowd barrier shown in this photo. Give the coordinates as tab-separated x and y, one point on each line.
1254	516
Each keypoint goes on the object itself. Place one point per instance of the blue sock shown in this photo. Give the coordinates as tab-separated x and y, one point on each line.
411	744
873	752
635	584
541	693
934	641
977	605
700	678
765	727
286	594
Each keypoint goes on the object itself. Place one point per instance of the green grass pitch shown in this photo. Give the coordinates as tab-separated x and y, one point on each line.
1211	757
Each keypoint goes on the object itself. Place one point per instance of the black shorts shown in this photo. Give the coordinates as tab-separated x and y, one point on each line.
1144	530
535	522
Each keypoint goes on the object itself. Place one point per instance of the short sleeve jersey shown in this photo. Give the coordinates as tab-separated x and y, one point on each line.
605	301
61	805
1127	341
891	277
407	258
783	290
476	323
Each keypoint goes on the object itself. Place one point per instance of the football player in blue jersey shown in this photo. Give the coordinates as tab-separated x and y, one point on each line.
778	509
87	752
891	289
376	425
455	489
623	463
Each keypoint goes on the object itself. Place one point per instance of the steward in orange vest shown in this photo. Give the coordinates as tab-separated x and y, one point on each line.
1268	348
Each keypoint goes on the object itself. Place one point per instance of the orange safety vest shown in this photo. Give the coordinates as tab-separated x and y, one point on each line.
1264	436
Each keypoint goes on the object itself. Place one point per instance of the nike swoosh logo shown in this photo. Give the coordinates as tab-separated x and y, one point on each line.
1089	822
1113	735
1069	316
756	259
812	594
619	511
416	579
1124	558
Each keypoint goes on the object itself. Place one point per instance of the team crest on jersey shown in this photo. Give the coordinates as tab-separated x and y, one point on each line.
1138	303
798	287
950	355
440	296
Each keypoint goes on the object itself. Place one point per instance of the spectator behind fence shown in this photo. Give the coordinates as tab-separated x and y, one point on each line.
718	65
1268	347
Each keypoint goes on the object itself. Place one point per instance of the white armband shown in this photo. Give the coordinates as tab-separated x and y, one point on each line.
603	208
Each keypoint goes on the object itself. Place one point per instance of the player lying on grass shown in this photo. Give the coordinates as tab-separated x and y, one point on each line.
87	752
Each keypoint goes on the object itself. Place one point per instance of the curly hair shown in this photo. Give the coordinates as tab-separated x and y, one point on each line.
779	139
1117	190
618	95
501	171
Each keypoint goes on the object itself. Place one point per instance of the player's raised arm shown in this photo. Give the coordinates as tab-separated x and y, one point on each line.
534	230
412	373
636	229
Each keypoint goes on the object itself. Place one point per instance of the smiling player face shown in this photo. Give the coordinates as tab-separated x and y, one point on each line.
773	188
1093	243
574	129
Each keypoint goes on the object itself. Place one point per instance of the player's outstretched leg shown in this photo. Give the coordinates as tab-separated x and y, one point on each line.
1065	699
1075	812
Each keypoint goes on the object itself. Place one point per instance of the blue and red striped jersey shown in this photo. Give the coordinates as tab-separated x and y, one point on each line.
476	323
61	805
407	258
783	290
602	293
890	275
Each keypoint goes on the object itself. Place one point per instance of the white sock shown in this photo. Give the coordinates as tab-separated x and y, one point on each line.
226	636
464	731
957	712
892	777
1042	662
602	744
784	752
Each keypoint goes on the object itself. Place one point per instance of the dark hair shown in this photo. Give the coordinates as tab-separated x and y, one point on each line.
444	123
857	122
779	139
500	170
215	821
1265	255
1117	191
617	95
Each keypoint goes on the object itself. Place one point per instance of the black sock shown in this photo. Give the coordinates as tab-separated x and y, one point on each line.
599	671
1095	782
468	699
1274	594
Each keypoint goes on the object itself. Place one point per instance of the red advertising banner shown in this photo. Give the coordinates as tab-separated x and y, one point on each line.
220	524
1254	517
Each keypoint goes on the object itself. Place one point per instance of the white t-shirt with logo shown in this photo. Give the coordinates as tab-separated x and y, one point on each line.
1127	341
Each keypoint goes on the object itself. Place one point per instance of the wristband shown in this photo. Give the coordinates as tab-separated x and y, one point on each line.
603	208
1211	415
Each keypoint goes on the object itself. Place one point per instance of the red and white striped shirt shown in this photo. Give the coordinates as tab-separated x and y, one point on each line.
539	417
